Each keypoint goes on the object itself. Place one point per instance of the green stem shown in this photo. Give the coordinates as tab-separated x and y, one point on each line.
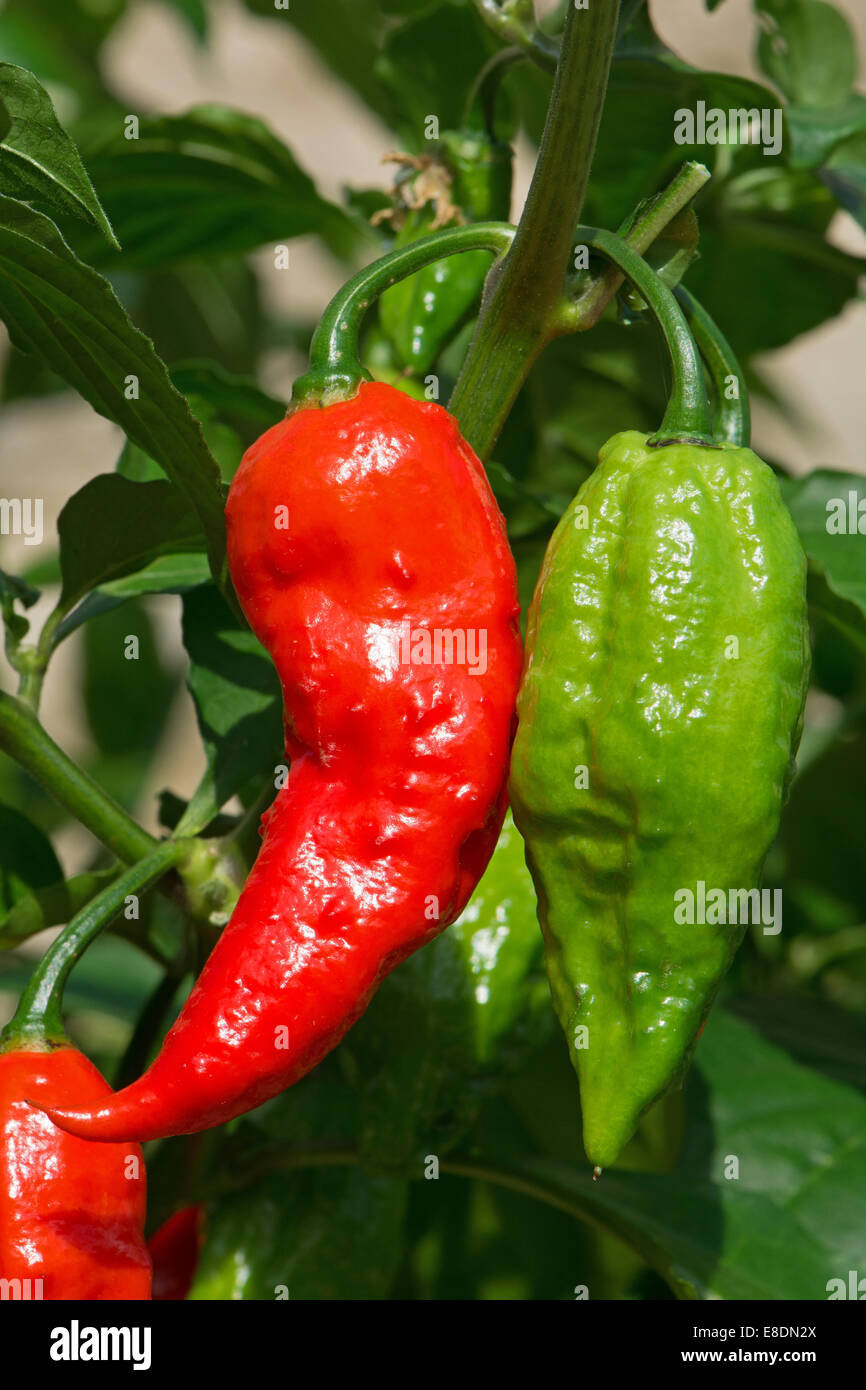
732	417
335	368
24	739
518	312
686	418
641	230
38	1018
34	661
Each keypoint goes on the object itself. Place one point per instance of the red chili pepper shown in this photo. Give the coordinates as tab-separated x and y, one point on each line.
174	1249
71	1212
371	560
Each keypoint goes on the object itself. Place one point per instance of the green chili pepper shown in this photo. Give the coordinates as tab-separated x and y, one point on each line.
661	704
468	176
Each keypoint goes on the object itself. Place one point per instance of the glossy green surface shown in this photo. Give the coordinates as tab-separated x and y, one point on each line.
422	313
667	655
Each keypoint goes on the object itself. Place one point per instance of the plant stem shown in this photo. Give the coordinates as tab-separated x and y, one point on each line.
639	233
335	371
38	1018
732	417
518	317
686	418
24	739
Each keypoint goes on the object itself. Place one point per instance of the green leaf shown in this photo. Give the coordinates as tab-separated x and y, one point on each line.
773	1228
54	305
807	50
232	411
237	695
800	1139
845	176
52	906
823	831
60	39
212	182
167	574
449	39
815	134
27	859
15	590
112	527
37	158
767	277
325	1234
830	511
126	702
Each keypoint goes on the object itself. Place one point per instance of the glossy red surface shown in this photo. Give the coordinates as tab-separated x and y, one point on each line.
71	1212
353	531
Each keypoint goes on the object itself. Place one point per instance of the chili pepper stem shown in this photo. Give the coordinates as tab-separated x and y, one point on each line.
732	421
335	371
38	1021
686	419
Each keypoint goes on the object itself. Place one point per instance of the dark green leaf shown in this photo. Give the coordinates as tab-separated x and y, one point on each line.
13	588
236	693
27	859
773	1227
37	158
451	39
823	832
830	511
126	701
325	1234
212	182
168	574
112	527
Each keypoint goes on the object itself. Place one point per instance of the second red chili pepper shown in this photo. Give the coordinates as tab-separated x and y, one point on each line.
71	1213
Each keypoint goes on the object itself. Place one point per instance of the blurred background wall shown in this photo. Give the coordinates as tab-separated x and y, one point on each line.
58	443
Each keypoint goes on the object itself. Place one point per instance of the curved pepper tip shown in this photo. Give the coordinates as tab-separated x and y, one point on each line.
99	1124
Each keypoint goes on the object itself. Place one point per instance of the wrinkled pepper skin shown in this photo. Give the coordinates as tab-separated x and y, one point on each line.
396	793
688	749
71	1212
